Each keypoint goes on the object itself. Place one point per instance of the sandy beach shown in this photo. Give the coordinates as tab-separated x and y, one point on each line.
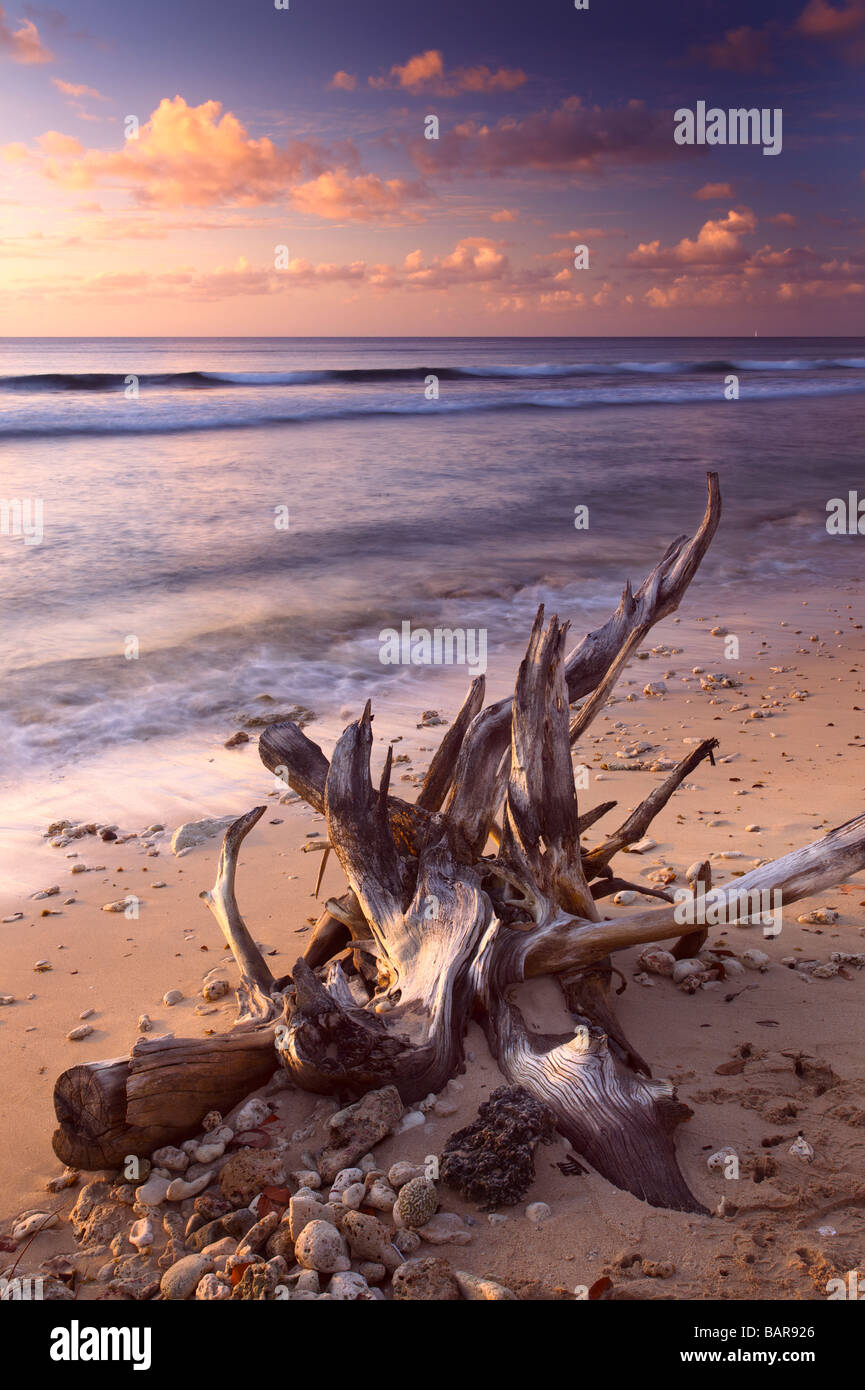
774	1055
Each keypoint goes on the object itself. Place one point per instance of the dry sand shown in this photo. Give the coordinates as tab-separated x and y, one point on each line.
794	774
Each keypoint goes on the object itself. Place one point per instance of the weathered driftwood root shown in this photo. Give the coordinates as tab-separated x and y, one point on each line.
433	929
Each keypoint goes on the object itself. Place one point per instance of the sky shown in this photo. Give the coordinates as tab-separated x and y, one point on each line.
214	167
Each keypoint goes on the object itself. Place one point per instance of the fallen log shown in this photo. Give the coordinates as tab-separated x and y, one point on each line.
159	1095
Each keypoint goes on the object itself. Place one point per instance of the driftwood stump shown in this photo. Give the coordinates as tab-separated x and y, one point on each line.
451	901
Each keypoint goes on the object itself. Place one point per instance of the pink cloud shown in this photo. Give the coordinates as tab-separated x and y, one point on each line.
784	219
73	89
504	215
474	260
820	20
740	50
184	156
343	81
22	45
338	195
711	191
426	72
718	242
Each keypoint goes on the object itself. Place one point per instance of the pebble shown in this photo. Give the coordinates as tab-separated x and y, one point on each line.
175	1160
411	1120
366	1236
119	905
145	1023
720	1157
801	1149
380	1196
251	1115
173	996
181	1188
402	1172
416	1203
473	1287
656	961
181	1280
446	1228
683	968
349	1286
215	989
820	917
354	1195
141	1235
320	1246
78	1034
153	1192
755	960
34	1222
538	1212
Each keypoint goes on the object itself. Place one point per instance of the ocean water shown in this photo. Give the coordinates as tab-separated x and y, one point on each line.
263	508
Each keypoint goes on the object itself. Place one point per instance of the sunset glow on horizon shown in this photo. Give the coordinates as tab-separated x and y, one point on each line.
253	171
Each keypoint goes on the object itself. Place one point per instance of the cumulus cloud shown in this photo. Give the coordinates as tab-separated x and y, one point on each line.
425	72
572	138
718	242
504	215
474	260
22	45
338	195
343	81
184	156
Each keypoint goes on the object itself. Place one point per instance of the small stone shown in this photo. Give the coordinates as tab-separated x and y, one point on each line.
412	1119
172	997
354	1195
175	1160
755	960
141	1235
401	1173
153	1192
430	1280
180	1188
538	1212
800	1148
366	1235
215	989
380	1196
320	1246
720	1158
819	917
473	1287
349	1286
145	1023
181	1280
32	1224
78	1034
683	968
416	1203
446	1228
656	961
